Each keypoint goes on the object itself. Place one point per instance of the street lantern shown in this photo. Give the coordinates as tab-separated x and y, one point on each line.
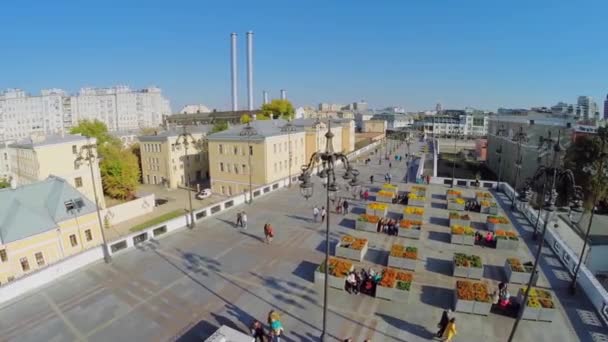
327	160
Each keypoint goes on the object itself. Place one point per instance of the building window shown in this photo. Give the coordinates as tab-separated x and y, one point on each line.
221	167
88	235
223	190
228	168
236	150
244	168
229	190
279	147
221	148
78	182
73	240
74	149
25	265
275	148
250	150
3	256
275	167
236	169
39	259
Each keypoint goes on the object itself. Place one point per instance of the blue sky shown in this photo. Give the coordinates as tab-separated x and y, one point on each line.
484	54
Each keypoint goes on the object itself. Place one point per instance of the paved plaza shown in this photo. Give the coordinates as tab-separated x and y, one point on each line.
184	286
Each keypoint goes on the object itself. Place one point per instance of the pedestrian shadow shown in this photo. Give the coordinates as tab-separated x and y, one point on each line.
440	221
439	236
494	272
440	266
305	270
301	218
228	222
437	296
414	329
253	236
437	205
348	223
223	320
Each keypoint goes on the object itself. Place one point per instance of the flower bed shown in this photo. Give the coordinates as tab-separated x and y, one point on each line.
368	223
506	239
351	247
385	196
456	203
463	235
415	200
481	195
457	219
338	270
488	207
472	297
451	194
404	257
390	188
377	209
493	223
413	213
410	229
540	305
516	272
395	285
467	266
418	190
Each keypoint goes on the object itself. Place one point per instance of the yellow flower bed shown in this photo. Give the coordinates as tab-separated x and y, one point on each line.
454	192
415	197
418	188
413	211
483	195
462	230
458	200
377	206
389	187
384	193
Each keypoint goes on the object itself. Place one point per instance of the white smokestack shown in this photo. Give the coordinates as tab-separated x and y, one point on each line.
283	94
233	71
250	70
265	97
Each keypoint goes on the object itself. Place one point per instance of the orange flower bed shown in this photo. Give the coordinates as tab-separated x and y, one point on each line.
339	267
353	242
401	251
369	218
408	224
497	220
506	233
476	291
384	193
454	192
405	276
389	277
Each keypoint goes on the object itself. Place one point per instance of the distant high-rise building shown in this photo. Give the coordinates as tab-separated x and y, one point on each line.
438	108
606	108
54	111
588	108
360	106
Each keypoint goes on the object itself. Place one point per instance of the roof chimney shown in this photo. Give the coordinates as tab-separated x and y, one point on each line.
233	71
283	94
250	70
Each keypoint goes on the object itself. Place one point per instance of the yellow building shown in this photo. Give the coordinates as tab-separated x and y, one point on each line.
163	161
375	126
264	155
343	130
35	158
42	223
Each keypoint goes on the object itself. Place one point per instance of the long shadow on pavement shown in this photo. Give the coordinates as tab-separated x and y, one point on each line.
440	221
437	296
439	236
440	266
414	329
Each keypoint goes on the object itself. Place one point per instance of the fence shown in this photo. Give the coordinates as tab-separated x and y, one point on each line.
122	244
128	210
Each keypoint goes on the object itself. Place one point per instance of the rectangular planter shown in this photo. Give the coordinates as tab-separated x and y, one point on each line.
459	271
547	315
403	263
461	305
416	203
476	272
384	199
494	226
531	313
409	233
401	296
337	283
366	226
456	239
413	217
482	308
384	292
489	210
381	213
515	277
451	196
460	222
468	240
349	253
455	206
319	278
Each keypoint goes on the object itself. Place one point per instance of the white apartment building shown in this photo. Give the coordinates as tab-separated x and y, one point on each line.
448	125
54	111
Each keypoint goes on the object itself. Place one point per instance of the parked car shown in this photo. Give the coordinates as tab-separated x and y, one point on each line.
203	194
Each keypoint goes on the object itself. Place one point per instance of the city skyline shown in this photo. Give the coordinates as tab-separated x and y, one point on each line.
412	55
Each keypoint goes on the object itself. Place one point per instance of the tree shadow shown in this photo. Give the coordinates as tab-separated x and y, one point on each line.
437	205
414	329
494	272
440	266
439	236
347	223
437	296
440	221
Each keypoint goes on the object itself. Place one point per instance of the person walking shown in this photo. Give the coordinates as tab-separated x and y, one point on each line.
323	213
315	213
366	195
257	331
345	207
371	179
268	233
276	327
390	165
389	177
239	219
443	323
450	330
244	220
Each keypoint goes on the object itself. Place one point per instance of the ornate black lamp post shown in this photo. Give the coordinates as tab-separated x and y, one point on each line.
186	139
327	160
519	138
572	196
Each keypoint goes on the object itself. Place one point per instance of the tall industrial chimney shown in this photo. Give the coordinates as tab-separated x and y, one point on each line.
250	70
233	71
265	97
283	94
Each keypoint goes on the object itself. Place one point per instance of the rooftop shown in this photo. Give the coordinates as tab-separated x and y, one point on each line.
263	129
162	135
38	207
51	139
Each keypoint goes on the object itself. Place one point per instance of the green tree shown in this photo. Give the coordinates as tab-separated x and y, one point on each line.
136	150
4	183
245	118
219	125
277	109
119	167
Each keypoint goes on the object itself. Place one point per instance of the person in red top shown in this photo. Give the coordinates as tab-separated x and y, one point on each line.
268	233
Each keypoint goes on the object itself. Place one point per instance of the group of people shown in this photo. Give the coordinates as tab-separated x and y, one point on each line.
447	326
488	240
316	212
400	199
472	205
342	206
362	282
388	178
502	297
275	328
388	226
241	219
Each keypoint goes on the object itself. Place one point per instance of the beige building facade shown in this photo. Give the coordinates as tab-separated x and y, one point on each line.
163	161
265	156
42	223
375	126
40	156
